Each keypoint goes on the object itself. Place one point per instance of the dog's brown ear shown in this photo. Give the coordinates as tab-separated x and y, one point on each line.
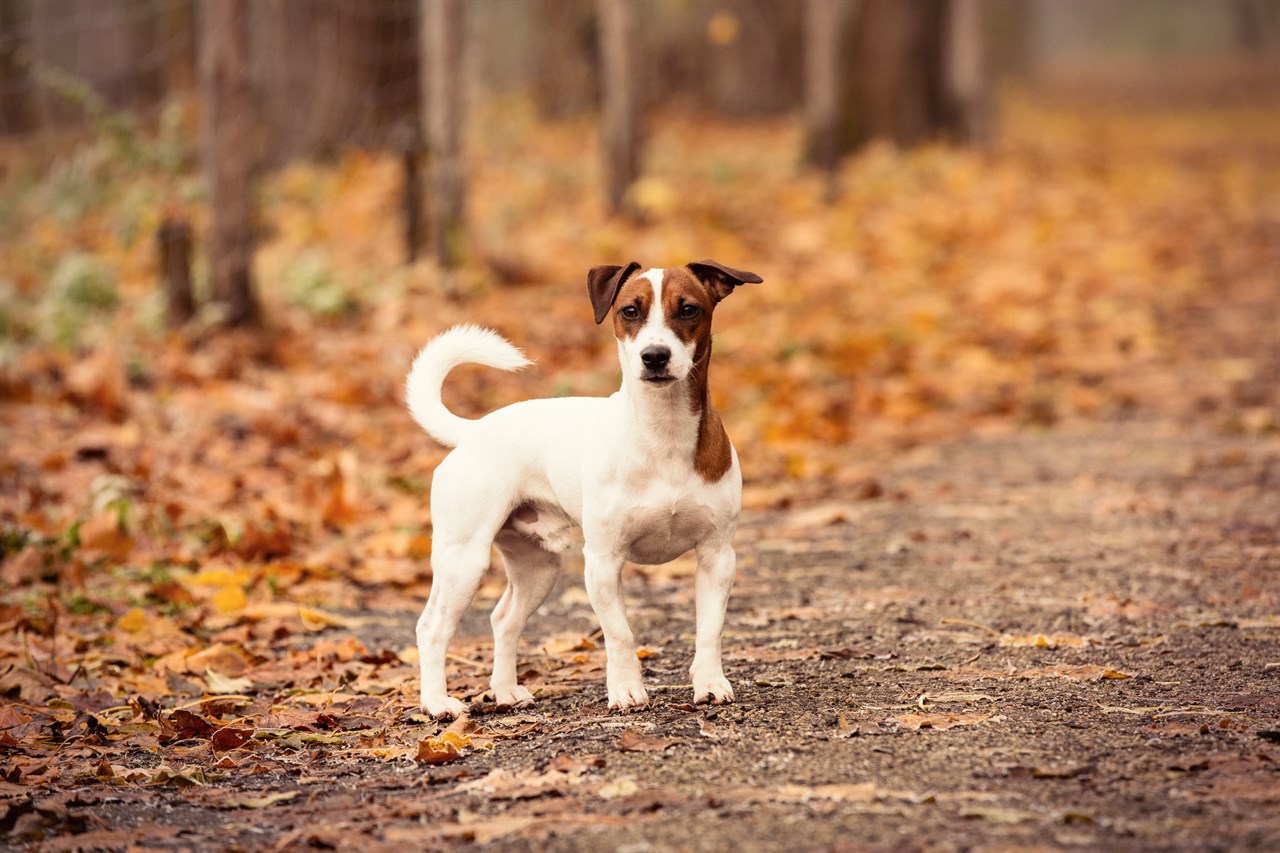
603	283
721	280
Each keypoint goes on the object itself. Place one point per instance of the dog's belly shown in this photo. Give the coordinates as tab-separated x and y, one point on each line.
547	526
660	534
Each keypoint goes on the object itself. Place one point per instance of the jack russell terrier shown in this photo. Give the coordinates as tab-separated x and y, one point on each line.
647	474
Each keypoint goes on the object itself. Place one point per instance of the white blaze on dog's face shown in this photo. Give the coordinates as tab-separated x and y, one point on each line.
662	320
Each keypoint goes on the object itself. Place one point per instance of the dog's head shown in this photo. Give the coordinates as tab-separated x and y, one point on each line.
662	317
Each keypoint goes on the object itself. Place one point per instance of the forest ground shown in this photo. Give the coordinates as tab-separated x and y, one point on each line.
1060	639
1010	555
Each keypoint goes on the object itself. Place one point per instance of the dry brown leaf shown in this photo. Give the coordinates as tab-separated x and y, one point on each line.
104	534
229	660
633	740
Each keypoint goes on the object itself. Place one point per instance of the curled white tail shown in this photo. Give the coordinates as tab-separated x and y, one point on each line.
460	345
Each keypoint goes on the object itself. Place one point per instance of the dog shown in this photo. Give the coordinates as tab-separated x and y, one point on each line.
647	474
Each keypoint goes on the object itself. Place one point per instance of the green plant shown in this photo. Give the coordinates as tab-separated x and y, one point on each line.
310	284
82	288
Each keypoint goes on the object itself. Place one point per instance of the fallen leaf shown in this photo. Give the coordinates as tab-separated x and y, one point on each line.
619	788
231	737
318	620
1041	641
104	534
633	740
222	684
229	600
226	659
133	621
240	800
449	746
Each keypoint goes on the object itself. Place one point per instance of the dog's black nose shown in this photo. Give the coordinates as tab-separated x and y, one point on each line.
655	358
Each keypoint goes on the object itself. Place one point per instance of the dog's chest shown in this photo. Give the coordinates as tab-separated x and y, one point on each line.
665	518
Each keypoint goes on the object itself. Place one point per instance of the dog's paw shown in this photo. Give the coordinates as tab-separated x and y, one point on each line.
443	707
628	696
715	690
513	697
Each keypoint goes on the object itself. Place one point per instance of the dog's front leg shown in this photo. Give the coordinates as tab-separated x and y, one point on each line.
603	575
716	566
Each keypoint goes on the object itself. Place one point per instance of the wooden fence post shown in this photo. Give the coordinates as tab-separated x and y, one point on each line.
227	150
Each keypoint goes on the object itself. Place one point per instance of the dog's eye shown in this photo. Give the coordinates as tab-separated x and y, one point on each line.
688	311
629	312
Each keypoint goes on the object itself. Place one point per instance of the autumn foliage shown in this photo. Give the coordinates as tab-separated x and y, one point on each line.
200	526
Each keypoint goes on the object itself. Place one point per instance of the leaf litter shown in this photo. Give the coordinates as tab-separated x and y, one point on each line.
214	545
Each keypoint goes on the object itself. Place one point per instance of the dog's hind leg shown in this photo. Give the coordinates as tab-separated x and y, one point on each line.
467	511
531	573
456	575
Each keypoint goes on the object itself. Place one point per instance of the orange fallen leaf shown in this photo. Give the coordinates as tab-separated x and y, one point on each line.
228	600
447	747
133	621
1042	641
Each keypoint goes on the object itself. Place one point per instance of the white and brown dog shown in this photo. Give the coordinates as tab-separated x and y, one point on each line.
647	473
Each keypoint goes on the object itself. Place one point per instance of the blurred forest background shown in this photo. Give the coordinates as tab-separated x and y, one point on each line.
226	226
1019	327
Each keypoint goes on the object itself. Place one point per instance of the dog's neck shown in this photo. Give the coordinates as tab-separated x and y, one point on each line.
678	421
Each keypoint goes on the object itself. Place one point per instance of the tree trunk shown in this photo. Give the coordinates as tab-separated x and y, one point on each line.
227	143
751	56
17	112
898	88
821	82
967	73
619	116
442	33
174	244
566	84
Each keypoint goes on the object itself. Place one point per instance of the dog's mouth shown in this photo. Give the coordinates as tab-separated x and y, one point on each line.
658	378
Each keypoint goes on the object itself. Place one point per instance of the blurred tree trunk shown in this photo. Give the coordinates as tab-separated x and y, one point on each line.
566	84
619	114
898	88
442	33
17	112
821	82
751	65
1256	24
227	143
335	73
967	72
173	244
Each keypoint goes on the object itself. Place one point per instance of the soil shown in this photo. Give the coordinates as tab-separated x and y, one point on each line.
1050	640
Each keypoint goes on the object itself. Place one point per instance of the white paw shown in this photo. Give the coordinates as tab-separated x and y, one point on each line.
714	689
443	707
627	696
512	697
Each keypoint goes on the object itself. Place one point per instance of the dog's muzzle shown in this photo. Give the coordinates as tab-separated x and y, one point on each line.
655	360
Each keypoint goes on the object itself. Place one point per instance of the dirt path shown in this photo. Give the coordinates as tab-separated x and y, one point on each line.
1066	639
